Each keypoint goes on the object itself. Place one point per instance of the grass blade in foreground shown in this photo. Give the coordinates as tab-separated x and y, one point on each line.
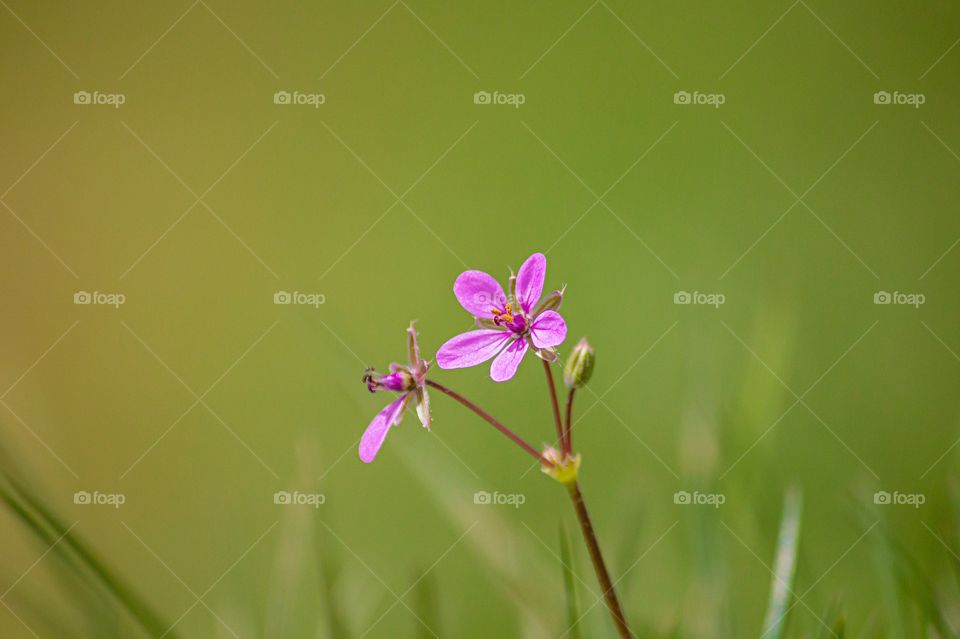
426	605
49	528
785	565
839	625
569	587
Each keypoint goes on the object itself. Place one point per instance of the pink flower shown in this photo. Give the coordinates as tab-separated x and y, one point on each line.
510	325
410	381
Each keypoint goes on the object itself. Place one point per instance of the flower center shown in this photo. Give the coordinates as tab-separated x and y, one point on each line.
504	316
507	319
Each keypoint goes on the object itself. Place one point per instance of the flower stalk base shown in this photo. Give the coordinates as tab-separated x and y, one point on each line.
609	594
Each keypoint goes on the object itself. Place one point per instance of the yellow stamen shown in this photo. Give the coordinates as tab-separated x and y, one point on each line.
503	316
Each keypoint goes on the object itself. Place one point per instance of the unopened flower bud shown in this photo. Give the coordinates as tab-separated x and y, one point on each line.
551	302
579	366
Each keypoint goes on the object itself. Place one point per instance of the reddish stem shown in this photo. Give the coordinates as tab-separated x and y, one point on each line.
568	441
556	407
609	594
493	421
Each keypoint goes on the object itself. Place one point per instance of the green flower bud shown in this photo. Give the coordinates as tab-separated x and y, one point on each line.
579	366
550	303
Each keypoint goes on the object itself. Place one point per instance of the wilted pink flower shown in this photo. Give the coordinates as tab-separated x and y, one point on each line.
511	324
411	382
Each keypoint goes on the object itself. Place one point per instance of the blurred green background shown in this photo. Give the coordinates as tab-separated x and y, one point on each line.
798	199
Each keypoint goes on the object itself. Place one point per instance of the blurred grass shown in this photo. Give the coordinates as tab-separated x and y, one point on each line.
569	585
85	566
784	566
309	598
685	404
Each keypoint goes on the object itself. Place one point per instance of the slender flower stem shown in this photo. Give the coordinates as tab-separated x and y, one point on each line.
573	488
493	422
609	594
568	441
556	407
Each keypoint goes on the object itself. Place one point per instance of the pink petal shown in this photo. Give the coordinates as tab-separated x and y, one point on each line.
376	432
507	362
548	329
530	281
471	348
479	293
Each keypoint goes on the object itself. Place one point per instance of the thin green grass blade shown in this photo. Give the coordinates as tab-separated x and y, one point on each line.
426	605
50	528
628	546
840	626
97	607
335	624
293	583
916	586
784	568
889	585
835	631
569	586
955	563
